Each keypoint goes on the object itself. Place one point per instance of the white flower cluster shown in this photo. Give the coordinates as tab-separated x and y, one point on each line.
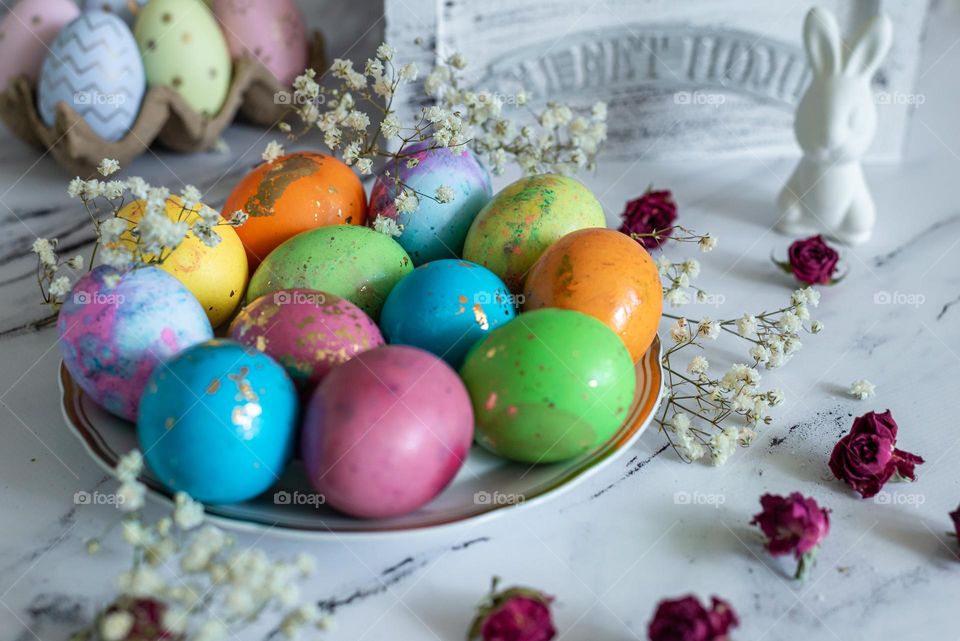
217	585
698	410
163	222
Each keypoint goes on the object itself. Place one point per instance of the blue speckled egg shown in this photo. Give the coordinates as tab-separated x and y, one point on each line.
116	328
218	422
445	307
94	67
435	230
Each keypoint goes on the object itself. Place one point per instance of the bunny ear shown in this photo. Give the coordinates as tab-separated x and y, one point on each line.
821	36
870	45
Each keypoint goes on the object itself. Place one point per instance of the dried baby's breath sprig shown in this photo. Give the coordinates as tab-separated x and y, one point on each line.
705	414
360	123
191	580
126	243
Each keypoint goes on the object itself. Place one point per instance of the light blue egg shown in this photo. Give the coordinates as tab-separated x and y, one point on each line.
218	422
94	66
126	10
445	307
435	230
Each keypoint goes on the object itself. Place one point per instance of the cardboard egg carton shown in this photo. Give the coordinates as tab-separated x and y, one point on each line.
164	118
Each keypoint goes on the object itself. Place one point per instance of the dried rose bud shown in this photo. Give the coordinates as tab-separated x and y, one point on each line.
867	457
514	614
685	619
793	524
811	261
145	620
652	213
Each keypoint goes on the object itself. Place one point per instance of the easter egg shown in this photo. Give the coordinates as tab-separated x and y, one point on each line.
116	328
218	422
94	67
306	331
549	385
292	194
445	307
272	32
435	229
183	48
27	32
352	262
605	274
521	221
126	10
386	431
217	276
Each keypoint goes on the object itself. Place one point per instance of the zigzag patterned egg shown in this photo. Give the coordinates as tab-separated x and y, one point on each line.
94	67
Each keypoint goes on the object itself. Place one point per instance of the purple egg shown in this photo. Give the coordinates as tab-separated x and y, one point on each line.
435	230
115	328
386	431
306	331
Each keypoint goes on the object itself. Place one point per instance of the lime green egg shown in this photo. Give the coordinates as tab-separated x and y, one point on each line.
521	221
549	385
349	261
183	48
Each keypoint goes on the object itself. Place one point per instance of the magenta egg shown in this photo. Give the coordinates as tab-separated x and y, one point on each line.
306	331
386	431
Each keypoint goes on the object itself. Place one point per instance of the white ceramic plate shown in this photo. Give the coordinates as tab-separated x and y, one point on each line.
486	486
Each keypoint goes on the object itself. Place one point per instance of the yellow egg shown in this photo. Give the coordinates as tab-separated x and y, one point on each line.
217	276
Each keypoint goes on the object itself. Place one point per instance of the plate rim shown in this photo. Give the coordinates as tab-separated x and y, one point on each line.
93	443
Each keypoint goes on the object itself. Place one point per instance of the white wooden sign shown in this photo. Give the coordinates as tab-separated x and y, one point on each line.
682	78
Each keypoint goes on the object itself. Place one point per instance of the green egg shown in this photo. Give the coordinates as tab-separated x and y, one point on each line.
349	261
183	48
549	385
521	221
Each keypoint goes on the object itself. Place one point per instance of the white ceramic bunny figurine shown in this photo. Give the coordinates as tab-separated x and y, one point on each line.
835	123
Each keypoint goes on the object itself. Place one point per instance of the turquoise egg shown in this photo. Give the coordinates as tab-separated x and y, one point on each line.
446	306
218	422
435	230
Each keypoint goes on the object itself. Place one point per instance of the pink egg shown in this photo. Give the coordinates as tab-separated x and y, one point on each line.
26	33
386	431
272	32
306	331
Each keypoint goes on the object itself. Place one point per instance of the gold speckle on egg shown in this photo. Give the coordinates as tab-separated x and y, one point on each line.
185	38
177	81
151	45
169	423
167	18
36	20
213	386
481	317
213	72
244	389
106	7
261	343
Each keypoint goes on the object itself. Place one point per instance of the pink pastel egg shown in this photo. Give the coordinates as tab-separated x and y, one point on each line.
272	32
26	33
306	331
386	431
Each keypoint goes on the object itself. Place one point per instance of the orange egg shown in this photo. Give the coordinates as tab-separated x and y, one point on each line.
605	274
292	194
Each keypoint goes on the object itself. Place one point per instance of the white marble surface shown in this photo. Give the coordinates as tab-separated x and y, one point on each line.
613	547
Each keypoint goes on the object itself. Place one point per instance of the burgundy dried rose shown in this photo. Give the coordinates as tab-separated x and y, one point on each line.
686	619
793	524
514	614
653	212
867	457
147	619
811	261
